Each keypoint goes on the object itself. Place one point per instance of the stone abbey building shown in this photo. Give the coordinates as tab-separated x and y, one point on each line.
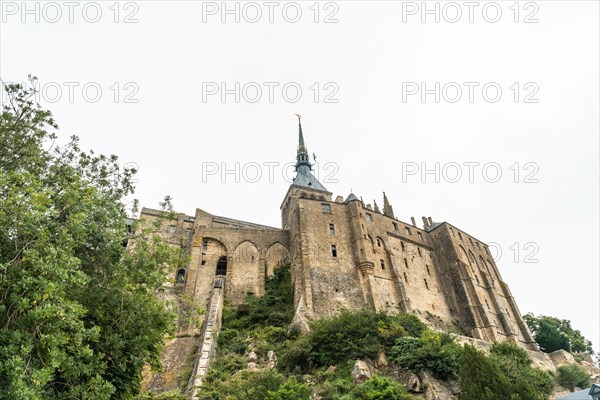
348	255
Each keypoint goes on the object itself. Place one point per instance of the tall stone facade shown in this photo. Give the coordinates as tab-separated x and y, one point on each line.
348	255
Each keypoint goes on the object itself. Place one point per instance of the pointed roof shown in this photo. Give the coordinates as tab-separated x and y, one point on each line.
351	197
303	166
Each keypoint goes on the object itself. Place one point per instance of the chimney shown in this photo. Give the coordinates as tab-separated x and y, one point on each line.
413	221
430	221
425	223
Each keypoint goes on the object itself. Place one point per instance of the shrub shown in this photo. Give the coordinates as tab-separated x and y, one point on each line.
355	334
480	378
436	352
379	388
233	341
291	390
245	385
515	364
275	308
572	376
295	358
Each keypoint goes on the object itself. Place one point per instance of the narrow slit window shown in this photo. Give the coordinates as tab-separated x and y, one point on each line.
407	229
402	245
405	278
333	250
382	263
406	263
419	235
426	285
419	251
378	242
395	226
331	229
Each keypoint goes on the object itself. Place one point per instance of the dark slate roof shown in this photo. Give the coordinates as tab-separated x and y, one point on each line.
351	197
580	395
306	179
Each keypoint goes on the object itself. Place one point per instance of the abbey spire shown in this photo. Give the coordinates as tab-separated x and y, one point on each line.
302	157
303	166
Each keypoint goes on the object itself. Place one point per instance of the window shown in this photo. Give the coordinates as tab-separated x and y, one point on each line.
333	250
188	232
407	229
382	263
419	250
395	225
405	278
331	229
369	217
460	236
478	246
378	242
406	263
180	276
402	245
471	241
204	245
326	208
428	272
172	229
426	285
203	262
419	235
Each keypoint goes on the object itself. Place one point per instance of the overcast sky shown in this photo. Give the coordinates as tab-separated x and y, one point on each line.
185	92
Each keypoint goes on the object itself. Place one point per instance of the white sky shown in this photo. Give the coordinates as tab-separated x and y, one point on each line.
370	135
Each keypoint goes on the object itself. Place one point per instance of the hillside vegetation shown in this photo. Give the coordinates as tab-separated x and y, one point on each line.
320	363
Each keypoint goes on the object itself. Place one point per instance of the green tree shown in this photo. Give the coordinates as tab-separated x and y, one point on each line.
79	317
572	376
527	382
480	377
553	334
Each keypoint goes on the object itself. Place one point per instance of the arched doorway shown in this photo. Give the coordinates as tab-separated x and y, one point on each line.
222	266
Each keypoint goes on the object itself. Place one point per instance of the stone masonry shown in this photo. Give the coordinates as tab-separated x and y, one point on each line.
346	254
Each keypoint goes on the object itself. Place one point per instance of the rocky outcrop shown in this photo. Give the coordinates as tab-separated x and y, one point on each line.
361	372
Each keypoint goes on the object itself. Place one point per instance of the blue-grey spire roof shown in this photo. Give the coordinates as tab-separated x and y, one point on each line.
303	166
351	197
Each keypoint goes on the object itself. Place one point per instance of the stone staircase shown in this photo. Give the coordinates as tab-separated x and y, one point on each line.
212	327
